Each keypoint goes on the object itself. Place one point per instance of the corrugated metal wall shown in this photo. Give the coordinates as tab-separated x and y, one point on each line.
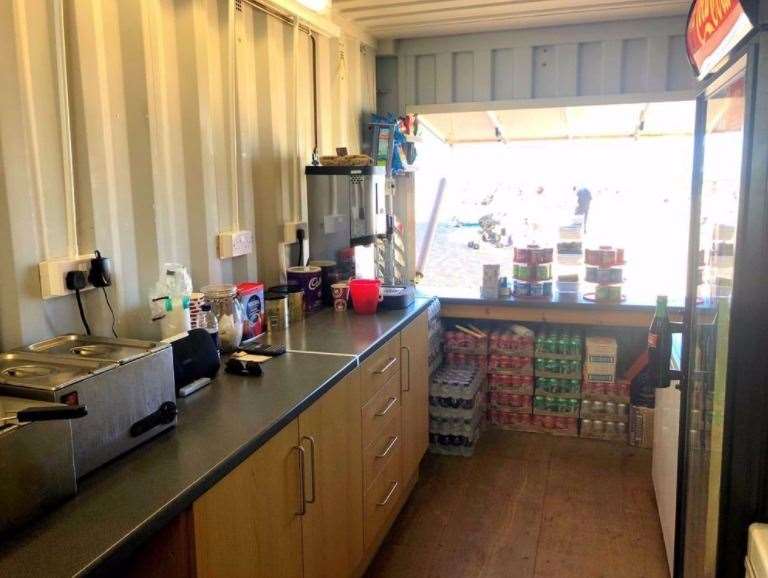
155	144
615	61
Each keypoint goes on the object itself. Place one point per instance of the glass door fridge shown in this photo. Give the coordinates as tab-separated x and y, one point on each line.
723	440
710	317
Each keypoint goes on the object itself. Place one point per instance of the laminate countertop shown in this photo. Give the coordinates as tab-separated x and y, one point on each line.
119	506
472	296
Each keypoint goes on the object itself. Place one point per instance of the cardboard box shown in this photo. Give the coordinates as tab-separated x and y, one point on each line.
251	297
600	372
641	426
601	350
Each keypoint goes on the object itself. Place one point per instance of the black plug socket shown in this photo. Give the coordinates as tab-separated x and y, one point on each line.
75	280
101	271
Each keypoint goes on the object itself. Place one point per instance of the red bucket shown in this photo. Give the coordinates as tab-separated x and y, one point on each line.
366	294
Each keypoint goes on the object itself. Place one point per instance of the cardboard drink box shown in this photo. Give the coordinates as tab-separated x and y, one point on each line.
251	297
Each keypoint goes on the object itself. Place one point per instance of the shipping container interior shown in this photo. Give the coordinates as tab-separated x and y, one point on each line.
448	252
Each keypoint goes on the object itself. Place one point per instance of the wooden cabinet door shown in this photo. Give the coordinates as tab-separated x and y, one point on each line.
248	525
415	398
330	433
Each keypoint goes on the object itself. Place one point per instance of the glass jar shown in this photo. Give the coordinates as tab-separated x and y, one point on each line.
229	314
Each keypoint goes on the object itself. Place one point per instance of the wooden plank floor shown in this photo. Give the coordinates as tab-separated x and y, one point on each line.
529	506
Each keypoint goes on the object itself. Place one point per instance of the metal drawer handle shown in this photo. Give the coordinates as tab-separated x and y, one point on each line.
302	491
385	453
311	441
387	367
390	405
389	495
407	378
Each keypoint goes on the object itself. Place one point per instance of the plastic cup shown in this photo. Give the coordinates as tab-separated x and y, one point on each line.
340	296
366	295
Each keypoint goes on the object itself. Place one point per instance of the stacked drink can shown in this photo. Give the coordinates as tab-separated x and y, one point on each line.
456	409
605	403
466	348
510	377
532	272
605	270
570	259
435	350
558	364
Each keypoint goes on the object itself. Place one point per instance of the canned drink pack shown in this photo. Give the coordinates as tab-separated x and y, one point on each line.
521	289
533	255
521	271
511	344
461	341
543	272
556	424
608	293
609	276
605	256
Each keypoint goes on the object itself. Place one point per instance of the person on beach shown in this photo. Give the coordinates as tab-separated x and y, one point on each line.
583	200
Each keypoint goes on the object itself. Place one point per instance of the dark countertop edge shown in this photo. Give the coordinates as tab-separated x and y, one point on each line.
550	304
420	305
108	562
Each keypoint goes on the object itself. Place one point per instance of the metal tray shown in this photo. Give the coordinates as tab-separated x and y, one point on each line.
99	348
47	372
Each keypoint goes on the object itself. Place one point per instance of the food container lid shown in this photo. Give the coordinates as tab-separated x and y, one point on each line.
285	289
308	269
96	348
249	286
48	372
274	296
219	291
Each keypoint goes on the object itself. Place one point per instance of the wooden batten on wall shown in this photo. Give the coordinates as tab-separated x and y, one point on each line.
154	145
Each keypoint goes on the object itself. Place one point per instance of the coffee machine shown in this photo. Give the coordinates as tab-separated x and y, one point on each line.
357	221
347	210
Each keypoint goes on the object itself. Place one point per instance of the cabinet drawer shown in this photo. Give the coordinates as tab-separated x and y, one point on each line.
382	498
381	450
380	367
379	409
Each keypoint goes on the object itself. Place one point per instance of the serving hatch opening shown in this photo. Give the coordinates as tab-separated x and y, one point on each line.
517	176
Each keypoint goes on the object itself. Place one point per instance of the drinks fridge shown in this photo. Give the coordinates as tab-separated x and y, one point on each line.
723	435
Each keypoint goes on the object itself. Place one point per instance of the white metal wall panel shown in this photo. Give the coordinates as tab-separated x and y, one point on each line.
634	66
626	60
591	68
503	74
544	71
426	79
463	76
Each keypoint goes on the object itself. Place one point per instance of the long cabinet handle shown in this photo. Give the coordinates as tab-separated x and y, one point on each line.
302	490
392	361
311	441
408	369
391	493
389	406
388	449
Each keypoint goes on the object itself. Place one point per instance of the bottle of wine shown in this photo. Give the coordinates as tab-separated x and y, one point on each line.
659	345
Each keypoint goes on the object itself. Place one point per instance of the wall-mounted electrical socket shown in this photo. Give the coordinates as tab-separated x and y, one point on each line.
53	274
235	244
289	231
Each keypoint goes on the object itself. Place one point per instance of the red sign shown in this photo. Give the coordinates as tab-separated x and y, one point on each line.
714	29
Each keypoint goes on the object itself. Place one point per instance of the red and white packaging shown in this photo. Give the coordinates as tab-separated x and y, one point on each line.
251	297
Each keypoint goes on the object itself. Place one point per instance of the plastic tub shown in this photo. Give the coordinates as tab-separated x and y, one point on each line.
366	295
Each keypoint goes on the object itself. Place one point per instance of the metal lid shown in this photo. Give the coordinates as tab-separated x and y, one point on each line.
96	348
219	291
47	372
346	170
